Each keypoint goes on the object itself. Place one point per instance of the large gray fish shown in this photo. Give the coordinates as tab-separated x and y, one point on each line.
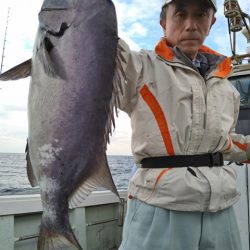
70	109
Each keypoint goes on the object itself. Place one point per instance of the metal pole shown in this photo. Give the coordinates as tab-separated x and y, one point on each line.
4	41
234	42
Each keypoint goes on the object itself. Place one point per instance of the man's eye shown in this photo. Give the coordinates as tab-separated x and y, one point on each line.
180	14
202	14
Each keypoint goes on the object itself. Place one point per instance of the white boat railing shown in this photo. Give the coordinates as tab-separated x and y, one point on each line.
101	214
20	204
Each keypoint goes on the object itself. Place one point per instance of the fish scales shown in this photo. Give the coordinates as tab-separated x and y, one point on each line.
70	139
72	72
77	106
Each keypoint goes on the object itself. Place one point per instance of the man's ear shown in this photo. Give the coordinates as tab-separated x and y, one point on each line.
213	21
163	24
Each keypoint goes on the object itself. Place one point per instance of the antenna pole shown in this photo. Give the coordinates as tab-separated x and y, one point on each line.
4	41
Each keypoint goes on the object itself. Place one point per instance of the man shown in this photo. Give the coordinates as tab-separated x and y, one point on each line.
183	112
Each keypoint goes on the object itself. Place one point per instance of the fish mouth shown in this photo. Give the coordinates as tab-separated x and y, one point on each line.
48	43
60	33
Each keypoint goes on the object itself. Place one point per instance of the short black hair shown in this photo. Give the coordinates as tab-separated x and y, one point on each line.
163	13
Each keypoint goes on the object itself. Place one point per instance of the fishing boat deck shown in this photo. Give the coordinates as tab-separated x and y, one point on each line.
97	222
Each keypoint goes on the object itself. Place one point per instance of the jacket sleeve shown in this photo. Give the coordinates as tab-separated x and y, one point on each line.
238	148
131	64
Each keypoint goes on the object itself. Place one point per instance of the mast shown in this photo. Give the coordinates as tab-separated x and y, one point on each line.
4	41
237	21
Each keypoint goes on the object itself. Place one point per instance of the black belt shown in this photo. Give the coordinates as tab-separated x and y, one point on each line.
178	161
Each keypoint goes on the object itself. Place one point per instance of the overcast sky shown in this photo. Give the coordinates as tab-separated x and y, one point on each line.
138	25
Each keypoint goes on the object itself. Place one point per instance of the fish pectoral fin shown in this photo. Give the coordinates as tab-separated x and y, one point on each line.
100	177
20	71
30	173
46	53
44	56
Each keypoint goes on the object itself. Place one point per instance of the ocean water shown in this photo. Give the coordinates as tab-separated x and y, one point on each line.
13	177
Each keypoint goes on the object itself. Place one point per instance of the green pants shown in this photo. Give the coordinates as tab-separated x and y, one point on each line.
152	228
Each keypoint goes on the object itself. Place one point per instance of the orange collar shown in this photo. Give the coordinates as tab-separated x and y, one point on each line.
222	70
162	49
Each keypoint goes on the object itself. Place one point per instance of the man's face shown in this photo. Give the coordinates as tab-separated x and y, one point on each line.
187	24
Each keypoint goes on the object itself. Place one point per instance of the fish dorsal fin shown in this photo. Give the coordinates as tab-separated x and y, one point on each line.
100	177
118	90
20	71
30	173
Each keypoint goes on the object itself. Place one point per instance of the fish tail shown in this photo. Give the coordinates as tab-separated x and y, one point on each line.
63	239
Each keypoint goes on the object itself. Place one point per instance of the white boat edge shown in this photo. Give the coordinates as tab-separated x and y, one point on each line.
31	203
